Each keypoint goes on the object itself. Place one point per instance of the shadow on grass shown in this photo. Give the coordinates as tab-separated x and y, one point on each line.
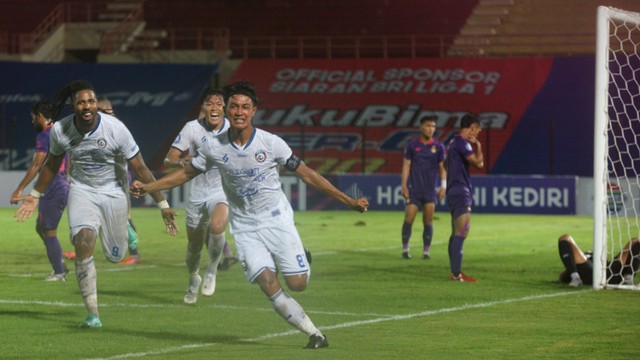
167	335
144	295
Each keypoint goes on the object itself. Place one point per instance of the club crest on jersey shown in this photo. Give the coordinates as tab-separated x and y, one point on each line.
102	143
260	156
433	149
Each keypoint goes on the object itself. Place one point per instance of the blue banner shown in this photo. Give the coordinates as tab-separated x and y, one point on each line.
153	100
491	194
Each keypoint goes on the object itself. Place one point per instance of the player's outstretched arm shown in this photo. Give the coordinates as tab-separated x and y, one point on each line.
312	178
168	214
36	164
47	174
26	209
171	180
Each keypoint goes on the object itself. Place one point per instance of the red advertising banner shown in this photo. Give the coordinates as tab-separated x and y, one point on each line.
356	115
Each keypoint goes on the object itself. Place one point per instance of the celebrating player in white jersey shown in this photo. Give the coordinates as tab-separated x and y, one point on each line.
207	213
99	147
261	217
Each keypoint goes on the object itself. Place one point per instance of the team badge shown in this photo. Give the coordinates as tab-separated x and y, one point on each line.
102	143
433	149
260	156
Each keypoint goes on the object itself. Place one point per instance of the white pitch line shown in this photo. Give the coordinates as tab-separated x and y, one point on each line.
179	305
111	269
348	324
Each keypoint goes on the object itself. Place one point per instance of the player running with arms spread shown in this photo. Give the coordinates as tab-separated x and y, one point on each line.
261	217
99	147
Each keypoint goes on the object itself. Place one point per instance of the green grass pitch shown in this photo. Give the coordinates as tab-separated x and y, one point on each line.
369	302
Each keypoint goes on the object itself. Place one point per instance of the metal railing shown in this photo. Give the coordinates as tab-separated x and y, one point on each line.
220	40
65	12
410	46
116	39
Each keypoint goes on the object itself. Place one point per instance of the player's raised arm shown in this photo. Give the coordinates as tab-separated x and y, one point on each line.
476	159
311	177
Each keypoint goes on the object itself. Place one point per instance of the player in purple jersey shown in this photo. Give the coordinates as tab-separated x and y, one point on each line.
54	198
423	162
460	155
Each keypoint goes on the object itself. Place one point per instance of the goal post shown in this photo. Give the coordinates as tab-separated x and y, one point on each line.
616	144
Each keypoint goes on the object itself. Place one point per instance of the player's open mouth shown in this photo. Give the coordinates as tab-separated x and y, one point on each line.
87	115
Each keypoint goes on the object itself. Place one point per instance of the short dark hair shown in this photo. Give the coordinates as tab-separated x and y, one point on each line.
468	120
209	92
43	107
241	88
428	118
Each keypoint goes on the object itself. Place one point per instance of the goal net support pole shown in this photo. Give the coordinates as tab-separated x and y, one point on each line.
616	141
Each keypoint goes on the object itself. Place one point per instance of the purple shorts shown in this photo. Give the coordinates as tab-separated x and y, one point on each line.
52	203
459	204
421	200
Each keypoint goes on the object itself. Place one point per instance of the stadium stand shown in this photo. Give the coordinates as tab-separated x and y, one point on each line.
200	30
532	27
364	25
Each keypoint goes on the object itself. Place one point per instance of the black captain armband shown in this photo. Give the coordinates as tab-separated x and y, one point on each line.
292	163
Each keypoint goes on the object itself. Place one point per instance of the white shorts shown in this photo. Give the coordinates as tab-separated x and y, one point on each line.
271	247
106	213
198	214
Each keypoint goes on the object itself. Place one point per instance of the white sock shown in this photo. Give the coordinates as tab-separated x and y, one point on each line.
215	247
293	313
87	278
193	261
575	276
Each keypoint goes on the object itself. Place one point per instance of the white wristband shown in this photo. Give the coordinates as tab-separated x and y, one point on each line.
35	193
164	204
443	184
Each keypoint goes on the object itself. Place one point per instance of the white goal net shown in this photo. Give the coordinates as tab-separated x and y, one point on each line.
616	148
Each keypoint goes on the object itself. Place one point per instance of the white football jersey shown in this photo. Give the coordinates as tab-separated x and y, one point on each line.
193	136
250	179
99	158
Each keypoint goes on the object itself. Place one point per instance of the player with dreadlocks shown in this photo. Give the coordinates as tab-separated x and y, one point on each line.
99	147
